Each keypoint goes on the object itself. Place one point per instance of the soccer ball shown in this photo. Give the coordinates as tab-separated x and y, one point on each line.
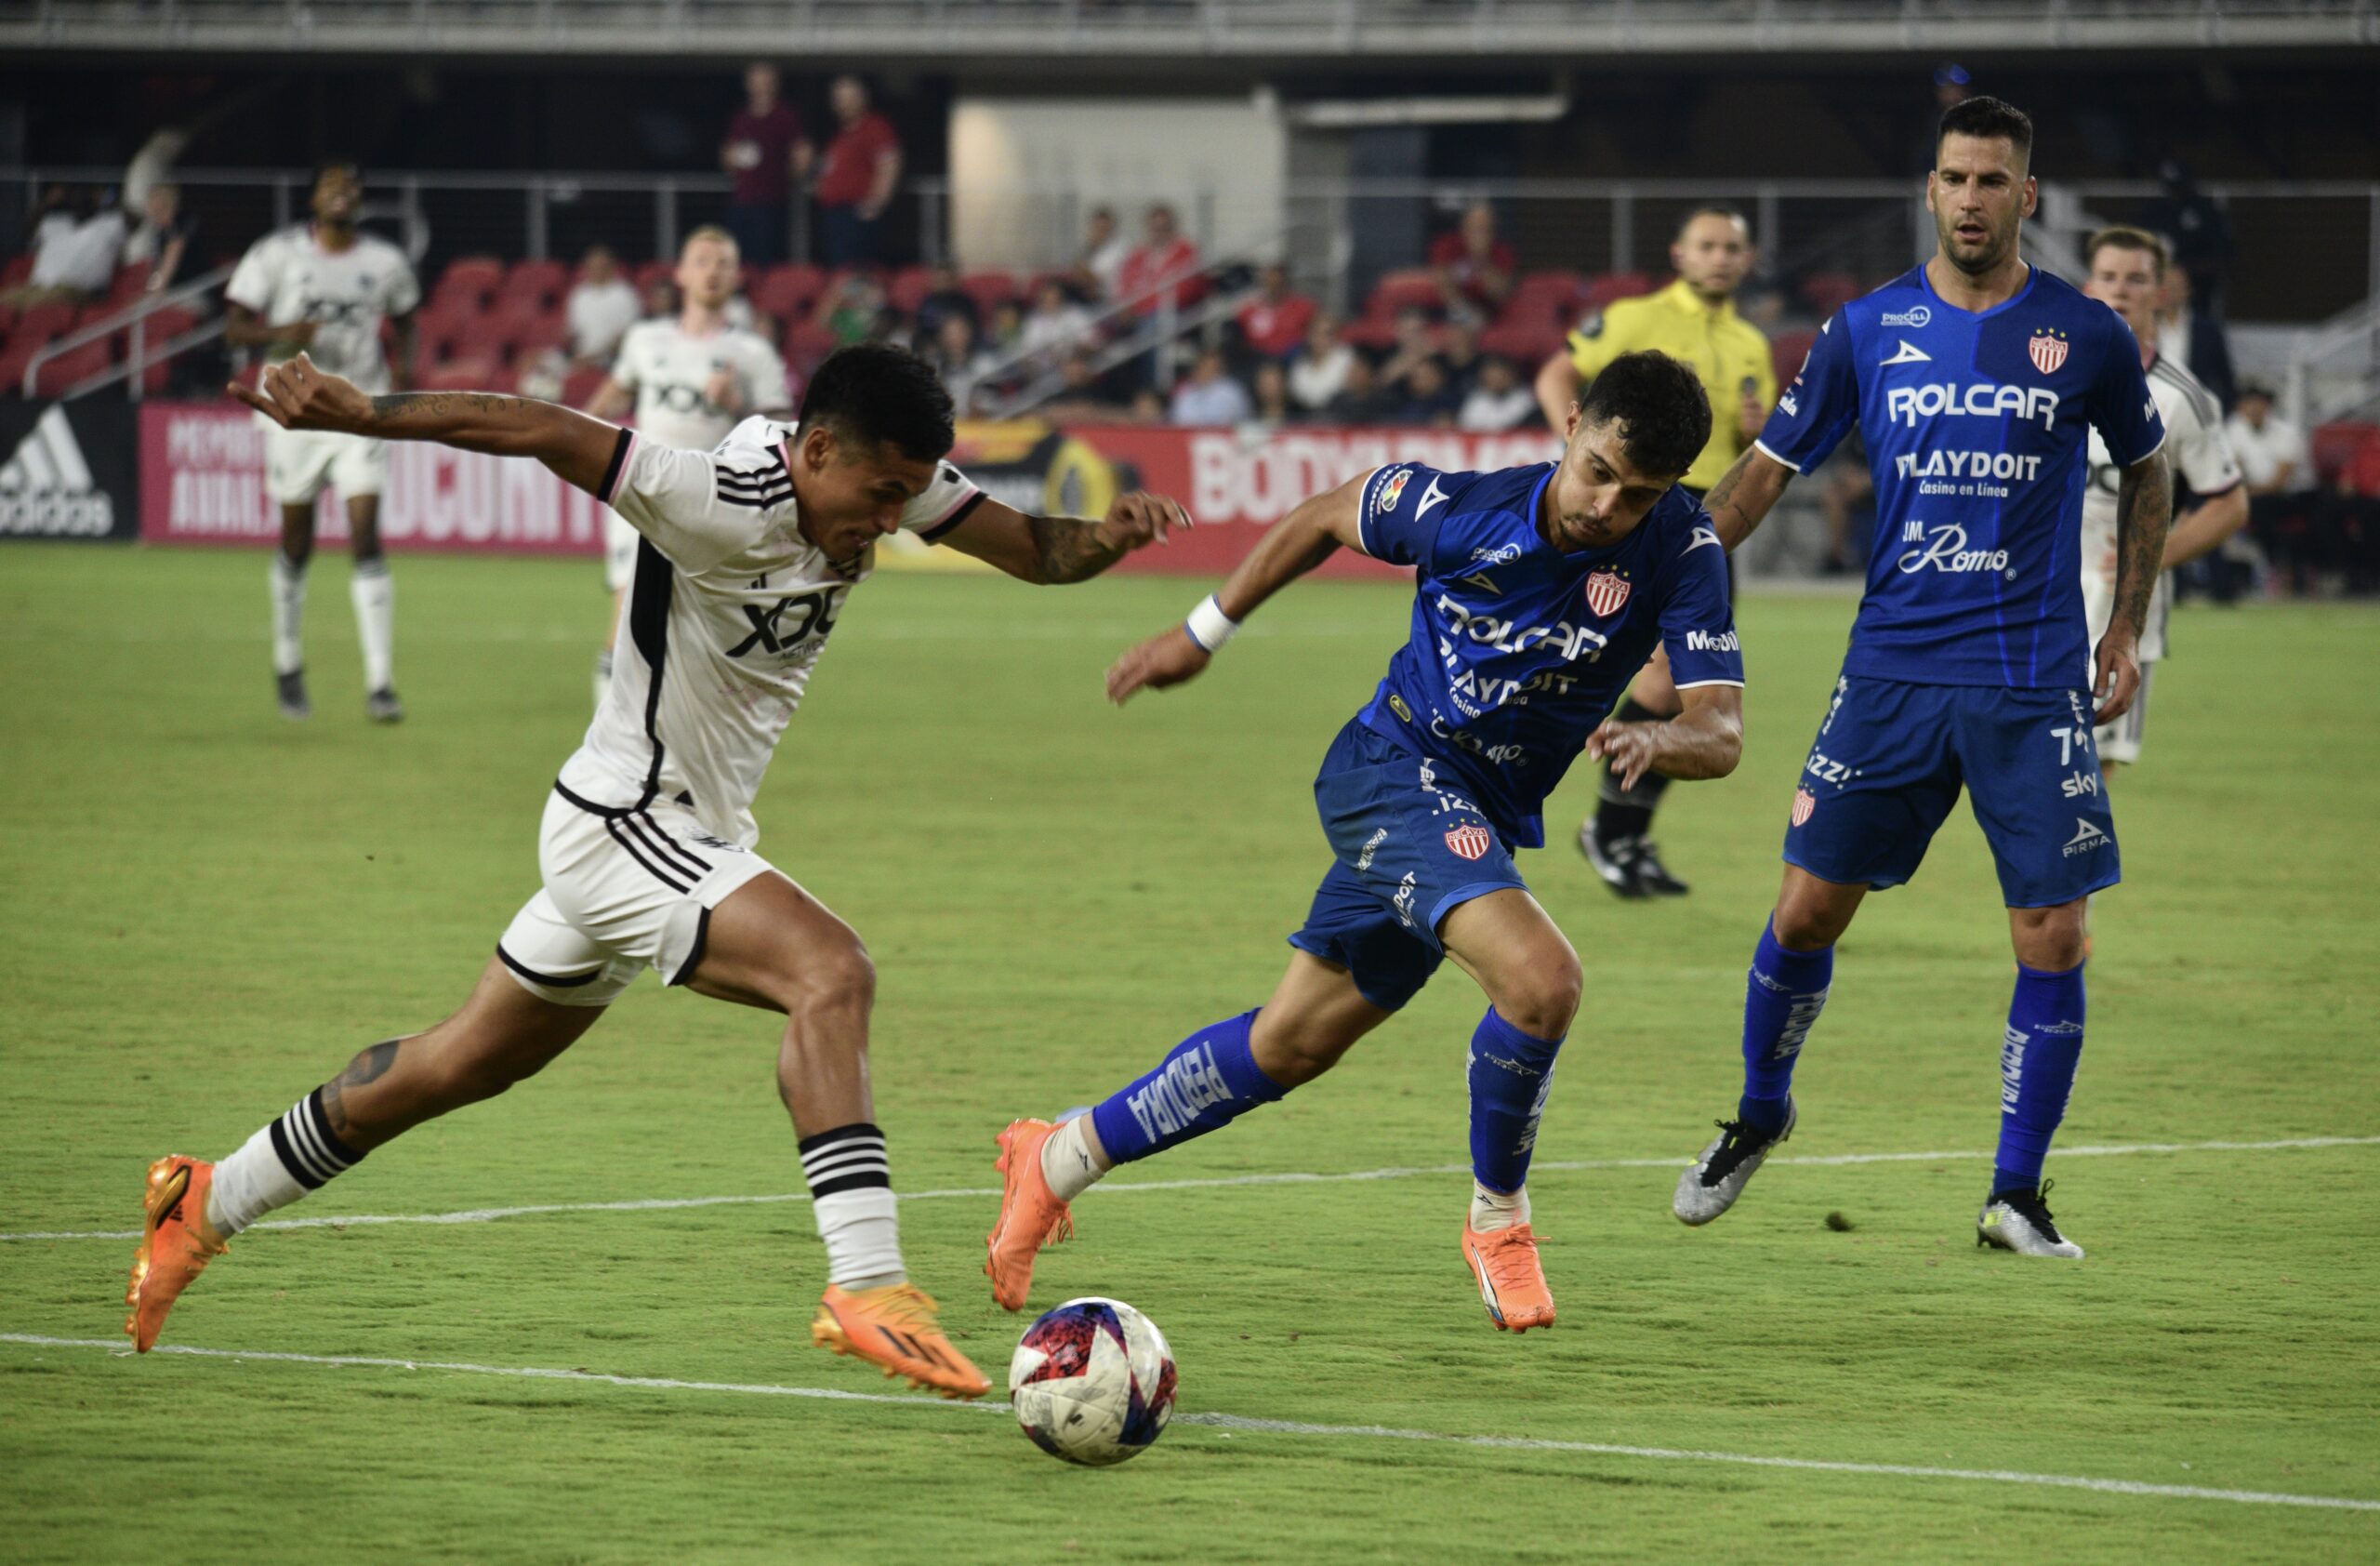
1092	1382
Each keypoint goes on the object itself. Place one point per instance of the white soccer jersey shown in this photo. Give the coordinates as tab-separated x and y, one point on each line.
2203	462
287	276
729	611
667	368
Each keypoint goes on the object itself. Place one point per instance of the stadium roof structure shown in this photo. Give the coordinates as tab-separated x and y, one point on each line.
942	31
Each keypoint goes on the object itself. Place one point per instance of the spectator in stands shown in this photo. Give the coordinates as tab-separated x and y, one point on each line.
1087	393
661	299
1208	395
1148	406
766	152
1430	396
1319	372
602	307
1416	339
1100	262
2344	537
2279	472
1055	325
1474	268
1274	322
957	355
1498	401
163	239
856	176
944	296
1361	399
1163	266
1271	384
856	311
2195	229
75	248
1459	355
2193	337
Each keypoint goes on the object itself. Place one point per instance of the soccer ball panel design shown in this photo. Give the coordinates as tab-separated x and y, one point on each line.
1092	1382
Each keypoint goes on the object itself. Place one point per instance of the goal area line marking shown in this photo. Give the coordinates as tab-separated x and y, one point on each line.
1221	1182
1234	1424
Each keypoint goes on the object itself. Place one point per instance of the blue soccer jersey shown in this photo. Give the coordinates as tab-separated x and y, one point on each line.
1977	434
1518	650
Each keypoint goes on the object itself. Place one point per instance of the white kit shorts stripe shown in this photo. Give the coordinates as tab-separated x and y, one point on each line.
624	890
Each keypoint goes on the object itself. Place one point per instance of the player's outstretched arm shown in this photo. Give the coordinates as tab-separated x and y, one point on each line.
1557	387
1291	548
297	395
2144	508
2202	529
1704	741
1045	550
1741	498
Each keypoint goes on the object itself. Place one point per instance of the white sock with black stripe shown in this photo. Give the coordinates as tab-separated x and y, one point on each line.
294	1155
851	1193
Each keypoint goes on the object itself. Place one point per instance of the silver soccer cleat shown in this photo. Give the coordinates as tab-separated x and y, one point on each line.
2019	1221
1726	1167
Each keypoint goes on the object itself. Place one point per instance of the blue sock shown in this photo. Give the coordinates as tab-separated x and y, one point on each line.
1511	1074
1784	994
2037	1065
1206	1080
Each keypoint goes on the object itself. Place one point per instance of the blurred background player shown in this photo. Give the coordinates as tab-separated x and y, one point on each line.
747	557
1975	380
326	287
2127	272
691	380
1427	791
1694	320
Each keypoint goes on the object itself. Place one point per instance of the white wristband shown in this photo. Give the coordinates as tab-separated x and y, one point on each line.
1209	626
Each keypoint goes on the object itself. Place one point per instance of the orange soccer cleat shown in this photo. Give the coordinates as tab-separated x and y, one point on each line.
175	1245
1031	1215
894	1327
1512	1284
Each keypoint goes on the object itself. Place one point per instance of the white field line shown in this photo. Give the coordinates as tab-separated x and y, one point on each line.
1235	1423
1292	1178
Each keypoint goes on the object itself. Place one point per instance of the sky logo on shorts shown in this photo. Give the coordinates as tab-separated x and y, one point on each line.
1469	841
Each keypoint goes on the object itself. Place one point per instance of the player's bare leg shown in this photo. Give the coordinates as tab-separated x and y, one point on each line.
772	945
374	596
2043	1045
502	1035
1614	839
1511	948
1315	1016
1792	970
288	579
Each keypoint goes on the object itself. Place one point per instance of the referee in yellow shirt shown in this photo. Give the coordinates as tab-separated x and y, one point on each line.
1693	319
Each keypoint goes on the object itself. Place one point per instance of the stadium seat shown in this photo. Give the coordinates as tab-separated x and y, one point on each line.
522	324
1375	335
1607	286
159	327
908	289
1786	352
56	376
1409	288
1526	344
15	271
1541	296
36	323
472	372
446	323
652	272
1826	292
131	282
468	277
578	387
990	290
2350	451
783	292
541	281
807	345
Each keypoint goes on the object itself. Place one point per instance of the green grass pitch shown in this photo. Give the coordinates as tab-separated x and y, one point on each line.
208	909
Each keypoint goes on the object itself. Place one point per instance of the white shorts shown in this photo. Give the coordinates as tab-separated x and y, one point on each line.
299	463
624	891
619	550
2120	741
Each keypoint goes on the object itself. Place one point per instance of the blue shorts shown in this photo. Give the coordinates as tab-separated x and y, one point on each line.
1411	846
1890	759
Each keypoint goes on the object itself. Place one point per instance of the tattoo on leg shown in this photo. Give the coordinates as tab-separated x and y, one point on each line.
369	1066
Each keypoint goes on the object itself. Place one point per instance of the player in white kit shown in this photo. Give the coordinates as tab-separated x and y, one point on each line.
689	382
2127	271
744	560
326	287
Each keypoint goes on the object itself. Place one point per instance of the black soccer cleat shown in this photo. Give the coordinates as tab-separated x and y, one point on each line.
1652	874
291	690
1613	862
1711	1187
2019	1221
382	707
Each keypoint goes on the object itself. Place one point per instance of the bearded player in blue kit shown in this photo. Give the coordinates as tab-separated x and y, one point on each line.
1541	591
1976	380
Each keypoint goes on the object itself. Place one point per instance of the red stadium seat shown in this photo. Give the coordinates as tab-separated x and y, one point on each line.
2350	451
807	345
131	282
473	372
36	323
56	376
522	323
579	388
448	325
469	277
1411	288
1372	333
15	271
1541	296
159	326
1601	290
990	290
1528	345
783	292
1826	292
652	272
1786	352
541	281
908	289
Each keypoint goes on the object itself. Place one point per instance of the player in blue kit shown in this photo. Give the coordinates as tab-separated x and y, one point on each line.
1975	382
1539	593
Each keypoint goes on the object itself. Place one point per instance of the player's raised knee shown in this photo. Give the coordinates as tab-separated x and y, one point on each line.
1542	997
840	974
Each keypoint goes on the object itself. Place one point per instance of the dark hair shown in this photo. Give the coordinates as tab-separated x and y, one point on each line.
1987	117
2121	237
350	165
1714	210
878	394
1663	414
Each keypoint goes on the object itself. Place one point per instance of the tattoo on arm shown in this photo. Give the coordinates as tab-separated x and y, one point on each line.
1067	549
369	1066
390	408
2144	510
